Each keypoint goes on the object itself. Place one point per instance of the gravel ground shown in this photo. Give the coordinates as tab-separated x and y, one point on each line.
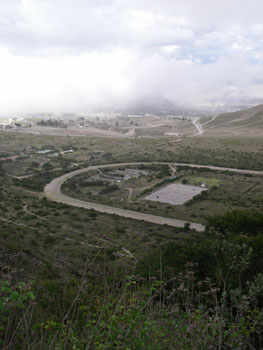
175	194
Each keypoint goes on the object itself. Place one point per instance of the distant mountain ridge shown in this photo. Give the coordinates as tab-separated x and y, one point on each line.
156	105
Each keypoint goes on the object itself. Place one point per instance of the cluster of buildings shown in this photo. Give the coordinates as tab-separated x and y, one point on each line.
117	176
10	123
49	151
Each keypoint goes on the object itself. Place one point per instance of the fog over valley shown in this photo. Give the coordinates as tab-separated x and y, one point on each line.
55	57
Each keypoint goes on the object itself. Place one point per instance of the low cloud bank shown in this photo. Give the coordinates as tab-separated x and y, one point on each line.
113	78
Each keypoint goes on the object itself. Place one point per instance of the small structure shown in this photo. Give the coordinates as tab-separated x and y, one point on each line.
129	173
203	184
44	151
67	151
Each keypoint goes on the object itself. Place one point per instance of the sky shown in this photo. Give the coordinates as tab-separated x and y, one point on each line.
77	55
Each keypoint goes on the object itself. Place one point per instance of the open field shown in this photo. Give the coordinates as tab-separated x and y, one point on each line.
72	131
232	152
118	127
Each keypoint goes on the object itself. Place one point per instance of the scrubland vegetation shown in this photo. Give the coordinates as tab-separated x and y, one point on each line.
77	279
196	293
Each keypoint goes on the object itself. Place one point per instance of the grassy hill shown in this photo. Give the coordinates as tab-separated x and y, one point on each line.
241	122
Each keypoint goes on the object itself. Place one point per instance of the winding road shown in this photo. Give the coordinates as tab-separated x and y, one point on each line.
53	192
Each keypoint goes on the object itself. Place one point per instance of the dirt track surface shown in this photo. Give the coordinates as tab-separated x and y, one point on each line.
53	192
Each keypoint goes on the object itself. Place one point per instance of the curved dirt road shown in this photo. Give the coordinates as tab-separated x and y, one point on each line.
53	192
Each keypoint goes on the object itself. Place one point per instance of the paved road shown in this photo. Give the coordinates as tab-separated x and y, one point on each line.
53	192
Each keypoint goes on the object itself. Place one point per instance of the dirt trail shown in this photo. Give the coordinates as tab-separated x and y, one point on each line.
198	126
130	193
209	121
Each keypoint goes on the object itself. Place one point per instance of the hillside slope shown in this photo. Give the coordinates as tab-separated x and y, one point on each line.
249	121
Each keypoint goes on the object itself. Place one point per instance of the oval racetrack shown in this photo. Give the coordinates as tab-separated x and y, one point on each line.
53	192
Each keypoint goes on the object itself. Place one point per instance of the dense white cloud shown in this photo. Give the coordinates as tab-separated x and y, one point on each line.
65	55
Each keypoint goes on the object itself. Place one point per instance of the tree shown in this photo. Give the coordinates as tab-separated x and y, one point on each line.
47	167
2	170
237	221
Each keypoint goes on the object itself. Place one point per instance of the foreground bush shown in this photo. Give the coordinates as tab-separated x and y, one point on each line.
132	313
200	293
